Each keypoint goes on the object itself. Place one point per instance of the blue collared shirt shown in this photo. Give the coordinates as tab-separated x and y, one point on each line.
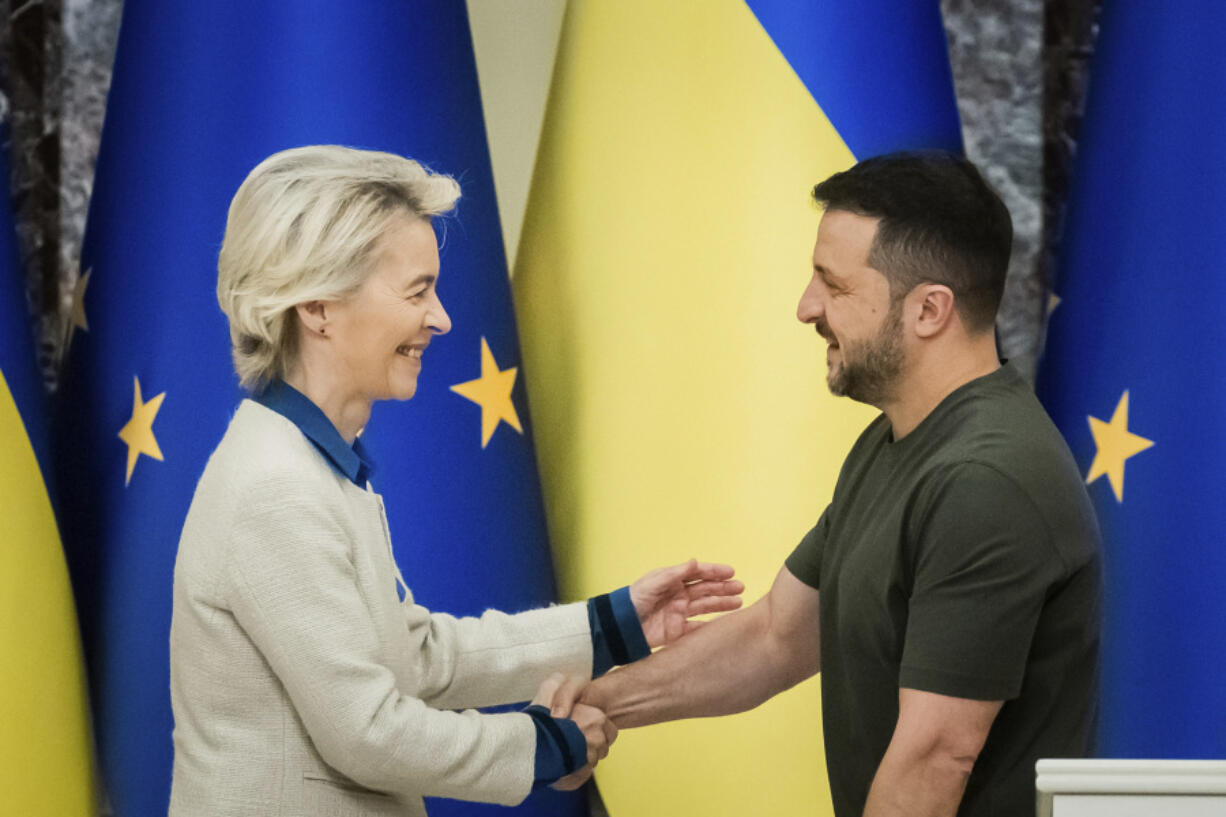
350	460
617	635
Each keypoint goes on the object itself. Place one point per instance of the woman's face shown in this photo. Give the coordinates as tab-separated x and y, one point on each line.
379	335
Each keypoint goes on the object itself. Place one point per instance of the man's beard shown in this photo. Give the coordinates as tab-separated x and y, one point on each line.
871	369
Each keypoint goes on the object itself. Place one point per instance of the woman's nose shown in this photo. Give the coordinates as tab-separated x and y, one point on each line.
438	320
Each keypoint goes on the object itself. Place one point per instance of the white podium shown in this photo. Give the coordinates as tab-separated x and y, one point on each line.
1131	788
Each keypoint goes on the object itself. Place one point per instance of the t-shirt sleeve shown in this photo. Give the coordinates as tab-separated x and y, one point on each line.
983	565
805	563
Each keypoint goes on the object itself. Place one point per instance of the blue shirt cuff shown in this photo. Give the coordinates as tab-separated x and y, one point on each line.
617	634
560	746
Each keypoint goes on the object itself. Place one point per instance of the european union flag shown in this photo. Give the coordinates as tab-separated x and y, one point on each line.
1130	373
201	93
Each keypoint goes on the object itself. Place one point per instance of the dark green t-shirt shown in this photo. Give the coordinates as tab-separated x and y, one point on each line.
963	560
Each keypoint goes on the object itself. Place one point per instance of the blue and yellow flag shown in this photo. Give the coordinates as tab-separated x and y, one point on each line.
46	760
682	410
1130	372
201	93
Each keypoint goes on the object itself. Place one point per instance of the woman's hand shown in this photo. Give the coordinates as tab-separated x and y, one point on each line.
560	694
667	598
597	729
590	720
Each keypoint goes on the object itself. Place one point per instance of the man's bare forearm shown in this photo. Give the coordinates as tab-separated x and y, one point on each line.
729	665
930	757
929	786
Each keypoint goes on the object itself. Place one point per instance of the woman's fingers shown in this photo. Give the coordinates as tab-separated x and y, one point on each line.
573	780
610	731
691	573
710	588
564	697
709	571
712	604
595	727
548	689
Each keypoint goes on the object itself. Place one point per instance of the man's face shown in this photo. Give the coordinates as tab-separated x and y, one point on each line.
848	302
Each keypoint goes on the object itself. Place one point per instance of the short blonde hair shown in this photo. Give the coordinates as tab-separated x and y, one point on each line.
302	227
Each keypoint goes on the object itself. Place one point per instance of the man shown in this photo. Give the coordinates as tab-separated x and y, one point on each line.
949	593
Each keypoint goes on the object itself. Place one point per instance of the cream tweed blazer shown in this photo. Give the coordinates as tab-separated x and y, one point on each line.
302	685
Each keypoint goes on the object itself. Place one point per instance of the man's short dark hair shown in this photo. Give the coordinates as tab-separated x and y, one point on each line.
940	223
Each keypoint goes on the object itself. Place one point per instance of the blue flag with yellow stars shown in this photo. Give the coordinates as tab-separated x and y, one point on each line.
201	93
1131	371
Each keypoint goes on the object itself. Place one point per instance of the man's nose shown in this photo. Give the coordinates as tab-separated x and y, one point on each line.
811	306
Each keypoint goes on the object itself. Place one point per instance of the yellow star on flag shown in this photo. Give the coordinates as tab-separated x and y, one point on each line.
1115	445
492	391
1053	301
78	305
138	433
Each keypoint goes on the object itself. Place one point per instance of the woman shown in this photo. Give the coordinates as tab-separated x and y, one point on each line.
301	683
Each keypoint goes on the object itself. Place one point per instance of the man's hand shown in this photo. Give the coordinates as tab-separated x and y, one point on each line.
667	598
560	694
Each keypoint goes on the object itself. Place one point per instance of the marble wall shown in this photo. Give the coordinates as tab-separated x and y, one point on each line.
55	68
1019	70
996	52
1069	32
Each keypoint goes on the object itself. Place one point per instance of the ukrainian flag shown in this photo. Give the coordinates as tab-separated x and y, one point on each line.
681	408
46	757
1131	373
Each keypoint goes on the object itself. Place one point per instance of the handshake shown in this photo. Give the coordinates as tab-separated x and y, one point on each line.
561	696
665	601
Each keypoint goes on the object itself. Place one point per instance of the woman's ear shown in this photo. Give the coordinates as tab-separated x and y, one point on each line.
314	317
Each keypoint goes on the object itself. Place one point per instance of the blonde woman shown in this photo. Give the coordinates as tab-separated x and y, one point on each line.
301	683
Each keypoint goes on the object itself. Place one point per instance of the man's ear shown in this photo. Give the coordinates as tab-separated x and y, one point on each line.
314	317
936	309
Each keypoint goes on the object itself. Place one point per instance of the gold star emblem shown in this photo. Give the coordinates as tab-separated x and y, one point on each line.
492	391
1115	445
138	433
78	305
1053	301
